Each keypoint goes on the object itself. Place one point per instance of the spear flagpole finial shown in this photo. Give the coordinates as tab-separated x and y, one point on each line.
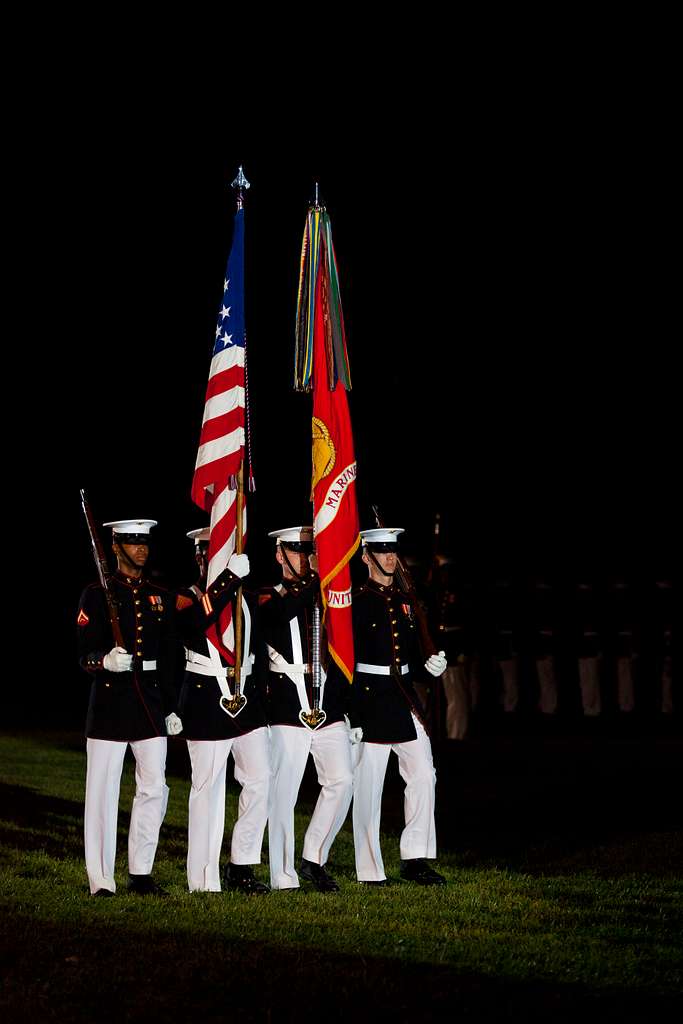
240	183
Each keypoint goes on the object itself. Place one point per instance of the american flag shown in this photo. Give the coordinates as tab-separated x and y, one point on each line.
222	441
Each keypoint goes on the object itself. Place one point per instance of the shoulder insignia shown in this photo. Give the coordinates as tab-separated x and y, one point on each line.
264	598
82	619
182	602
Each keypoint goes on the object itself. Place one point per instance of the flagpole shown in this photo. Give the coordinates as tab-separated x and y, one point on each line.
240	183
320	362
317	716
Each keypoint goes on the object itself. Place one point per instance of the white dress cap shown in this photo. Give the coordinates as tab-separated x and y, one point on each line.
381	535
132	526
293	535
200	536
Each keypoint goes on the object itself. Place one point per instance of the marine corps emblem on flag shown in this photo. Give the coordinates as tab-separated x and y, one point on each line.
324	452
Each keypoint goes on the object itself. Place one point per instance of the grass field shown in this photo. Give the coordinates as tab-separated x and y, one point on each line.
565	895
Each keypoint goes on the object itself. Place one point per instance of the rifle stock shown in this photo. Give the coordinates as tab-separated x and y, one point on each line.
104	573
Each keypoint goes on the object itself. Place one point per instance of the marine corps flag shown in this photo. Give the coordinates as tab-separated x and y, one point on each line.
322	366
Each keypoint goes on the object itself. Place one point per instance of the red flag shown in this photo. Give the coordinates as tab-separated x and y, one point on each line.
335	512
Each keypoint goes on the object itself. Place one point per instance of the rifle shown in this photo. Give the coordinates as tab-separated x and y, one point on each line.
406	584
434	564
104	573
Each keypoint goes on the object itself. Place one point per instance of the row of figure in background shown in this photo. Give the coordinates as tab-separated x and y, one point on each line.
578	648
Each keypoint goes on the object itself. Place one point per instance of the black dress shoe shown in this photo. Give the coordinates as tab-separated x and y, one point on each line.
316	874
240	877
103	892
380	881
419	871
144	885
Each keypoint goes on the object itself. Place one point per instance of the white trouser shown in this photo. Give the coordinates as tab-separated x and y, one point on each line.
418	838
510	671
626	689
547	684
589	682
331	753
206	817
666	705
457	704
102	786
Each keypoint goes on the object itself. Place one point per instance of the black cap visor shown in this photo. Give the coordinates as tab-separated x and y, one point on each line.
305	547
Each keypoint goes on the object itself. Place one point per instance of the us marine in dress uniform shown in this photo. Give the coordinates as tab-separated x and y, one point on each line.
543	634
213	734
455	615
662	604
132	701
504	636
587	633
287	621
386	708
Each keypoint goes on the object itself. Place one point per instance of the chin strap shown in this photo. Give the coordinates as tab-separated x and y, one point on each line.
123	557
296	575
389	575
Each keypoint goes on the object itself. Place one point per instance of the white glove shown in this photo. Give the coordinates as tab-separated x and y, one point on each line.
436	665
355	735
239	565
173	724
118	660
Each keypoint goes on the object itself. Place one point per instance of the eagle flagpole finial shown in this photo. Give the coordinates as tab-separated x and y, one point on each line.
240	183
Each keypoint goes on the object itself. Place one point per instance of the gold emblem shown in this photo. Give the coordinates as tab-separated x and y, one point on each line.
233	706
312	719
324	454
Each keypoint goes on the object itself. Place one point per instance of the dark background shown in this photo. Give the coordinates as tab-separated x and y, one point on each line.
506	281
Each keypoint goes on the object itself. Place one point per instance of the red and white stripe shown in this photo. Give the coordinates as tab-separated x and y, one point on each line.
221	451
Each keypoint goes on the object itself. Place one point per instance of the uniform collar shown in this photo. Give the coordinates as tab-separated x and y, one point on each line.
129	581
380	588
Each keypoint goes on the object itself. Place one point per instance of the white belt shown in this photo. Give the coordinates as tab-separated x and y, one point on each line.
297	669
380	670
203	666
277	663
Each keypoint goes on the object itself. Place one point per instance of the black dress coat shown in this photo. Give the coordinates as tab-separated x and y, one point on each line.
200	710
385	633
279	605
128	706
